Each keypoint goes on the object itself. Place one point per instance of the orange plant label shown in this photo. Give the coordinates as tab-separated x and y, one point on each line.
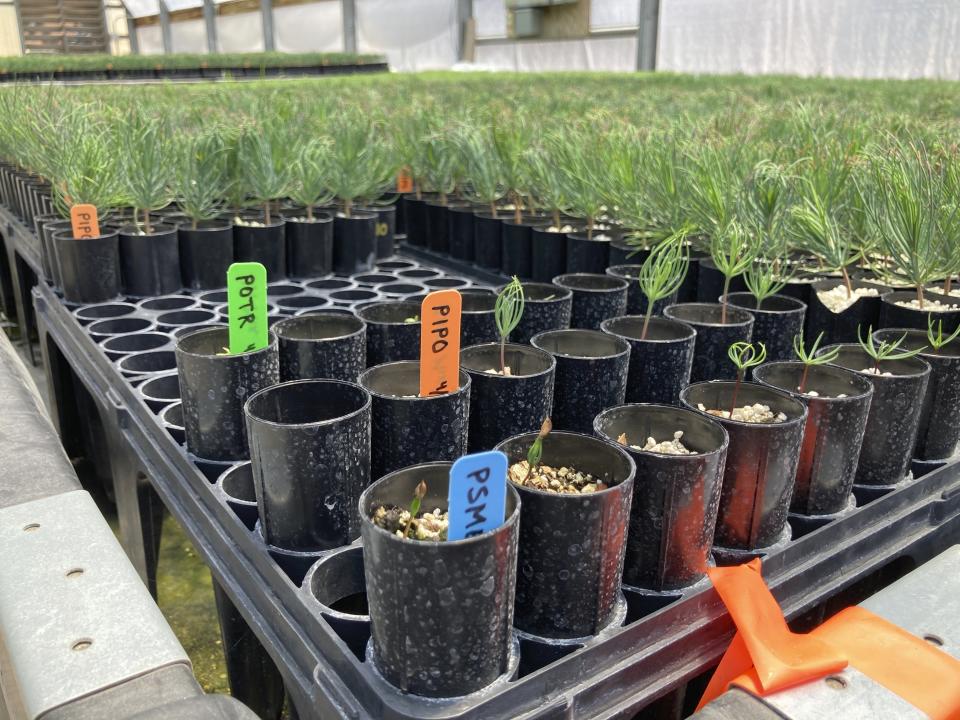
84	221
404	181
440	343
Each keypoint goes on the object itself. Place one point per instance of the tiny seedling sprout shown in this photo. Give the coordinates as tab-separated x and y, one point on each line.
507	312
536	449
663	272
418	494
811	358
745	356
886	350
935	337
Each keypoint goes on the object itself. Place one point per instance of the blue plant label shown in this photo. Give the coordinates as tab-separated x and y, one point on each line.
478	494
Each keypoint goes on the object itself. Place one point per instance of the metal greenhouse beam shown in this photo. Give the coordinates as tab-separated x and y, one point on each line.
210	22
647	31
165	33
348	10
266	12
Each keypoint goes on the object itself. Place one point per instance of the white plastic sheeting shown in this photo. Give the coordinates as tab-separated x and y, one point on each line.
189	36
413	34
843	38
616	53
240	33
142	8
150	40
614	14
491	18
311	27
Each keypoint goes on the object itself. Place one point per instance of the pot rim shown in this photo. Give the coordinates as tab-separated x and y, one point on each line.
925	370
606	326
800	419
569	332
798	305
508	346
695	413
296	320
620	285
952	351
867	393
892	297
748	321
271	343
381	303
464	387
562	293
367	401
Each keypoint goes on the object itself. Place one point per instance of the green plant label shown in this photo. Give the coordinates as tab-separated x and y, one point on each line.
478	494
247	306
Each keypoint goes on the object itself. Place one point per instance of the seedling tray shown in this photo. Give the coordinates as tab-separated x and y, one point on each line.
665	642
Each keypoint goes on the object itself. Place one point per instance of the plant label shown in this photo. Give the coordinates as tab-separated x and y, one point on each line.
85	222
440	342
404	181
247	307
478	494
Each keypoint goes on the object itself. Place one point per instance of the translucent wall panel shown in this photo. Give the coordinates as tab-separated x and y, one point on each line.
9	32
603	53
183	4
614	14
852	38
311	27
150	40
189	36
413	34
142	8
239	33
491	18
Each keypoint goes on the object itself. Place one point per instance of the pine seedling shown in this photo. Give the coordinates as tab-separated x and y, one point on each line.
886	350
745	356
507	312
763	280
733	250
936	339
418	494
811	358
663	272
535	453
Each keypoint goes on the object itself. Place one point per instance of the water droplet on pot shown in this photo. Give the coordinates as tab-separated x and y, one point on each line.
330	502
487	588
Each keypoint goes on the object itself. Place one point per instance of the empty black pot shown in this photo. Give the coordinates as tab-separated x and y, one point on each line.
832	435
660	362
160	391
486	240
214	387
310	452
761	462
354	243
103	329
322	345
775	323
103	311
546	307
116	346
266	245
336	584
595	298
205	254
570	556
710	360
390	336
840	327
89	268
309	246
410	429
675	497
506	405
591	374
893	315
464	589
587	253
237	489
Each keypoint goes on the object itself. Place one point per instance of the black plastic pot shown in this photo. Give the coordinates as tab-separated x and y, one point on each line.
571	551
464	590
660	363
336	584
689	287
841	327
116	346
386	229
149	264
389	336
237	489
546	307
322	345
103	311
415	211
50	230
896	316
89	268
587	255
438	228
675	497
505	405
761	463
160	391
460	230
46	249
309	246
170	321
205	254
410	429
477	324
172	420
548	254
103	329
354	243
516	250
636	300
832	435
710	282
710	360
214	387
167	303
894	418
775	323
143	364
595	298
327	285
591	374
310	452
486	240
622	252
938	433
301	303
266	245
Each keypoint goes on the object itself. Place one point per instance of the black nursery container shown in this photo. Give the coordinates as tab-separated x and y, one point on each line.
438	227
309	246
502	406
337	585
548	254
894	418
595	298
460	230
213	388
776	322
660	363
310	453
710	360
516	251
265	244
415	217
89	268
477	323
410	429
354	242
448	633
546	307
50	231
841	327
587	253
390	336
832	435
710	281
636	300
486	240
675	497
571	551
205	254
322	345
591	374
386	229
897	316
236	486
939	431
150	264
761	463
